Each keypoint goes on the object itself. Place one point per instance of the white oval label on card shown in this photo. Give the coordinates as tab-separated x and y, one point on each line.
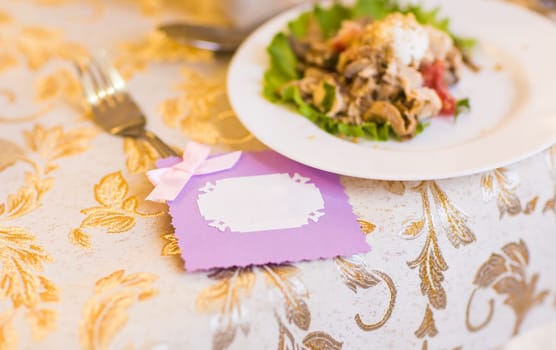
260	203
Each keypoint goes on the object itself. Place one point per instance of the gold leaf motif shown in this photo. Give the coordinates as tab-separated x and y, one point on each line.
226	295
550	205
507	285
111	191
428	326
21	203
171	248
201	131
321	341
7	61
112	221
61	83
286	341
8	336
117	212
293	293
156	47
10	154
223	337
491	269
202	113
531	206
55	143
431	265
355	274
109	282
414	229
172	110
40	45
141	156
502	183
510	280
366	226
430	261
80	238
517	252
42	322
453	220
20	257
21	261
106	312
51	292
5	17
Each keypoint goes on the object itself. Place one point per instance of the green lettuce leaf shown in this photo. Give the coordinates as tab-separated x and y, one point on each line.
299	27
330	19
283	67
377	9
462	106
329	97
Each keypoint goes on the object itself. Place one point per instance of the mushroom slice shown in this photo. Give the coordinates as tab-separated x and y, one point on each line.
386	112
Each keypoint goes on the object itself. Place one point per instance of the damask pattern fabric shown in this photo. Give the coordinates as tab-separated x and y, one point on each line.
87	263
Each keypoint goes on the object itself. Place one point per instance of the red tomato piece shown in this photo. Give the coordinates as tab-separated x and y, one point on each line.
433	77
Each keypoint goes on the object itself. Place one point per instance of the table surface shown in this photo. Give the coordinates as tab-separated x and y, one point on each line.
87	263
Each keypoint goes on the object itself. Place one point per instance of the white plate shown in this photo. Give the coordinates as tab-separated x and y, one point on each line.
513	108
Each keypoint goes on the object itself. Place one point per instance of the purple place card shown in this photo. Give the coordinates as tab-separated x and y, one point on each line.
266	209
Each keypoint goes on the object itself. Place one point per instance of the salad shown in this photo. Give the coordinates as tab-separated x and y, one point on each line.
377	70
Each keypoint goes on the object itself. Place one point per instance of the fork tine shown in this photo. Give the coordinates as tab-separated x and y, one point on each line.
94	73
90	92
115	80
108	88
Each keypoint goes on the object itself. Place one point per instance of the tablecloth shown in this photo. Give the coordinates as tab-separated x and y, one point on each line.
87	263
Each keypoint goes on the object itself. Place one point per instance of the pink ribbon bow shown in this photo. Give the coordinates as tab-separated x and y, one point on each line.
170	181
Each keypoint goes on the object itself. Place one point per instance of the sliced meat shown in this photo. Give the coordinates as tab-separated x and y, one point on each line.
424	103
382	111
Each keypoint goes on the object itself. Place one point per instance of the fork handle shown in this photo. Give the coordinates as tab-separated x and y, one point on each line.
163	149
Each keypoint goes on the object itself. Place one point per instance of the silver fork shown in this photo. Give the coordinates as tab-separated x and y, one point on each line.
112	106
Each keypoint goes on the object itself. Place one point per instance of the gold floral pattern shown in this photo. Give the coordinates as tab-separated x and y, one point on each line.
60	85
366	226
21	257
506	274
106	312
530	206
502	184
36	46
225	298
141	156
356	275
171	247
116	213
201	112
235	285
30	293
155	47
428	325
430	262
312	341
